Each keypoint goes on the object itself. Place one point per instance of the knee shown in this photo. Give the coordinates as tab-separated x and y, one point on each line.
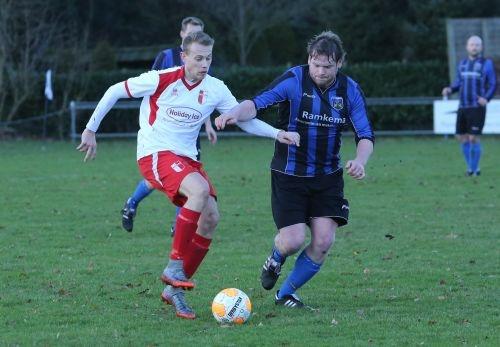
323	243
293	244
208	223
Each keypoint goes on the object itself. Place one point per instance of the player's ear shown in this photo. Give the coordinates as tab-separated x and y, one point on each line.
339	64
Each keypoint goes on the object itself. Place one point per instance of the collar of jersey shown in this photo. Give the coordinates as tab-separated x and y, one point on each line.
188	86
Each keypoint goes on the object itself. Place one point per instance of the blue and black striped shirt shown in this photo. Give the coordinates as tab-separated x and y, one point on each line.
318	116
475	77
168	58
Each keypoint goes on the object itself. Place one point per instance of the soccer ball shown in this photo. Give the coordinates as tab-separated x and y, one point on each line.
231	305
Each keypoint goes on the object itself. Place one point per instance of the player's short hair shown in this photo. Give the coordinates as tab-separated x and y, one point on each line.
193	21
327	43
198	37
475	36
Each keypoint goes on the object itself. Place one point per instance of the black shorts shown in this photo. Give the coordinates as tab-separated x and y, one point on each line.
470	120
298	199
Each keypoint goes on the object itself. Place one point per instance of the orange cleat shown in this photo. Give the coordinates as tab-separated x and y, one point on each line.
184	284
175	297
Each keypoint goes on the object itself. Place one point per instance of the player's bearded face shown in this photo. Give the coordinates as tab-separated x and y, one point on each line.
474	47
322	70
197	60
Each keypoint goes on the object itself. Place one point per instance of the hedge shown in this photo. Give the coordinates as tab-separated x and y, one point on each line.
377	80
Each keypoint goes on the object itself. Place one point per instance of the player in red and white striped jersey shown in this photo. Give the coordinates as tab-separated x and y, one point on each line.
175	104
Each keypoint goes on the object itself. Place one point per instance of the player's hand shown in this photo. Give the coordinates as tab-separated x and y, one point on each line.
224	119
211	134
482	101
88	144
446	91
355	169
289	138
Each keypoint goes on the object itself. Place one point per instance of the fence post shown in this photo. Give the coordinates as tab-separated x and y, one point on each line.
72	108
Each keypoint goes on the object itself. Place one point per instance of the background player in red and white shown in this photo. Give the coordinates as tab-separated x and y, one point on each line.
175	104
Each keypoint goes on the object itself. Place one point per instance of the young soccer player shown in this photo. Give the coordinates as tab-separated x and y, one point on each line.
168	58
175	104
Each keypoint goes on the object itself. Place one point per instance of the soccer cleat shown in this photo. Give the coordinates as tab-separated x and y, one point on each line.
477	173
175	282
271	270
174	275
290	300
175	297
128	214
468	173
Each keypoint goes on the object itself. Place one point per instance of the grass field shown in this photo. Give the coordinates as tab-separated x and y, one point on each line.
71	276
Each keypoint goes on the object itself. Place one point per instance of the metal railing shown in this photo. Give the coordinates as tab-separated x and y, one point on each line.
76	106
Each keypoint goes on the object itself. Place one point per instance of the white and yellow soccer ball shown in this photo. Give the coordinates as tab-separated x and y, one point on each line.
231	306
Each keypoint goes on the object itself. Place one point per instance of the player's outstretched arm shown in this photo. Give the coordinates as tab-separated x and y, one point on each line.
240	113
356	167
260	128
109	99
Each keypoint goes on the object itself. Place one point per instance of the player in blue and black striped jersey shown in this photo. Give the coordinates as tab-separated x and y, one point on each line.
318	102
476	82
168	58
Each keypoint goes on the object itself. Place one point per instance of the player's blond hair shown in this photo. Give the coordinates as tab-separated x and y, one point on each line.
198	37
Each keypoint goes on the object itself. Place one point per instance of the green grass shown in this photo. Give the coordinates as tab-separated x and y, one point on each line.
71	276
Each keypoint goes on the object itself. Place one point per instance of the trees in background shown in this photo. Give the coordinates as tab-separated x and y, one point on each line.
33	38
36	35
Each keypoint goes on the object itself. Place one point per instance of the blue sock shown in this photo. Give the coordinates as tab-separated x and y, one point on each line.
475	156
466	150
302	272
276	255
141	191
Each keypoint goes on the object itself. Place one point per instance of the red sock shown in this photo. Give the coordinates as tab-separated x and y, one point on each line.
198	248
185	228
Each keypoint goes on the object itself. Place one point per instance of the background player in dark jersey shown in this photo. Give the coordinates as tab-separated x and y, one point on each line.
317	101
171	57
476	81
166	59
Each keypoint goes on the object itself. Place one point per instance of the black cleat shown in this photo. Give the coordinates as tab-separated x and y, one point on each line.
271	271
477	173
468	173
128	214
290	300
